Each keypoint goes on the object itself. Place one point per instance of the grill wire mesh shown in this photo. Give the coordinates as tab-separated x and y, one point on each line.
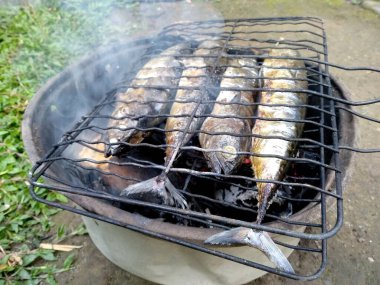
76	165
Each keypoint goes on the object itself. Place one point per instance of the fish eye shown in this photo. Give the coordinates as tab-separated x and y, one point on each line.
231	152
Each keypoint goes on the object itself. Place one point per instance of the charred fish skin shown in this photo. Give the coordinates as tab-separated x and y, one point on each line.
241	73
195	75
271	168
163	70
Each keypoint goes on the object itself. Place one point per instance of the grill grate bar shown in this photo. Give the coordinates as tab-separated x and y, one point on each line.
206	174
321	170
192	214
309	92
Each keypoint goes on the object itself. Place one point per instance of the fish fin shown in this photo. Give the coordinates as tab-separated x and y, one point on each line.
257	239
262	241
175	196
236	99
156	190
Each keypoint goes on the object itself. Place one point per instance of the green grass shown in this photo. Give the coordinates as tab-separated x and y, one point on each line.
36	43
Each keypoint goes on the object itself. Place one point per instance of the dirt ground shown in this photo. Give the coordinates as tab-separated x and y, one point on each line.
353	254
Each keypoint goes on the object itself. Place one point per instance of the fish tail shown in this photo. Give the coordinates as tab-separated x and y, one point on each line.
257	239
175	198
264	196
158	190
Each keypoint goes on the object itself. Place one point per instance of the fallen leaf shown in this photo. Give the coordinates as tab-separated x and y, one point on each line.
3	266
59	247
14	260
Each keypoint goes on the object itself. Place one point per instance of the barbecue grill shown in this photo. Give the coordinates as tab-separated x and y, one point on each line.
70	149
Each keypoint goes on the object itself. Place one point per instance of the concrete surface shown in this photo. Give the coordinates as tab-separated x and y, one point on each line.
353	254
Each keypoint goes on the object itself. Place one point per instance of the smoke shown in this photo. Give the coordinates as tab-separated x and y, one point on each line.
68	31
98	23
90	42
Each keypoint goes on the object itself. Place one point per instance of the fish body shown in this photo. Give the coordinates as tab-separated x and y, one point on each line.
272	168
87	166
163	70
241	73
195	75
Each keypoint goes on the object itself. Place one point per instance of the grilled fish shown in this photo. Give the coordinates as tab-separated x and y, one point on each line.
164	70
229	145
92	170
272	168
195	75
273	72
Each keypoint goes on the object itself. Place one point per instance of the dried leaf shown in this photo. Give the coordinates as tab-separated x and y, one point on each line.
59	247
2	252
14	260
3	266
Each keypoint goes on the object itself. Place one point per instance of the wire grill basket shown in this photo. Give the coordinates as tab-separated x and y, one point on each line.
76	165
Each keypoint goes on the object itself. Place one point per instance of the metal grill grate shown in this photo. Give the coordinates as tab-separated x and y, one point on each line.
77	167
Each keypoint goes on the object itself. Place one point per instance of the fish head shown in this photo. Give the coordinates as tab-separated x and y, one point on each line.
229	143
115	141
230	158
113	147
226	159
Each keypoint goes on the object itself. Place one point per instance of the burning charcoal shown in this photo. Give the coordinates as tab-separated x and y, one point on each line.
302	153
228	195
277	199
244	197
194	163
